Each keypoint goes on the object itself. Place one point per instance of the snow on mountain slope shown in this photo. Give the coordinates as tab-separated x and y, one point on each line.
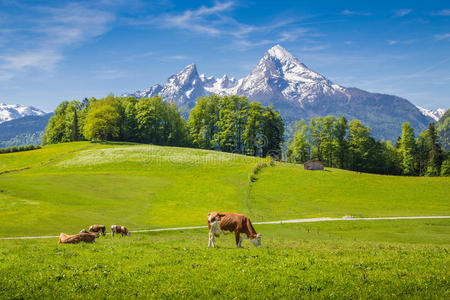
298	92
278	75
434	114
282	75
14	111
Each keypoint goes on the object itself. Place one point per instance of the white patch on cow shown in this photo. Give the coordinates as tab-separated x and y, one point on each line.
257	240
214	230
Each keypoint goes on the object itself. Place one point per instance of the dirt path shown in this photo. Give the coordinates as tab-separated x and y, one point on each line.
257	223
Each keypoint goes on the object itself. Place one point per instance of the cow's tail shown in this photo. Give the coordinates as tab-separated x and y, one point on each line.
250	227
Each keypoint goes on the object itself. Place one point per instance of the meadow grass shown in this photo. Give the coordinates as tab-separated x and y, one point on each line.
346	259
300	193
71	186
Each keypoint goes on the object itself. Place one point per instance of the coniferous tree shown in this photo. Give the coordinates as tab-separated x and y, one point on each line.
341	144
408	150
422	152
75	130
445	167
359	145
298	148
435	152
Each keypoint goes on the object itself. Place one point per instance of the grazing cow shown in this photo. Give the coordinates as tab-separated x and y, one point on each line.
239	224
120	229
98	228
77	238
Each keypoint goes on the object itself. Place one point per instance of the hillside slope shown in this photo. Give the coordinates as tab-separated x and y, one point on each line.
70	186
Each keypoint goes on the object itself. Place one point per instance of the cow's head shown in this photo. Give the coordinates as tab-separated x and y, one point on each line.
129	233
94	234
256	240
83	231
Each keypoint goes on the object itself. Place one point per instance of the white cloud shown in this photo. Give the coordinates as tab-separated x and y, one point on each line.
215	21
203	20
108	74
403	42
402	12
444	12
444	36
315	48
175	57
348	12
49	32
42	59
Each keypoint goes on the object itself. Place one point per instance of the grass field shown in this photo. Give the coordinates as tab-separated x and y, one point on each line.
355	259
67	187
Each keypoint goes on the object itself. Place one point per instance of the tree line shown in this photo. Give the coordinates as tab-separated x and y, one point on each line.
349	145
228	123
234	124
19	148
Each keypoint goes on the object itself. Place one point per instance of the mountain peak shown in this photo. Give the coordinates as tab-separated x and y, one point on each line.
282	54
434	114
14	111
192	68
187	76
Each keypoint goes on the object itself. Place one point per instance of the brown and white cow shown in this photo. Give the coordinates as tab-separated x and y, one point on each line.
77	238
231	222
120	229
98	228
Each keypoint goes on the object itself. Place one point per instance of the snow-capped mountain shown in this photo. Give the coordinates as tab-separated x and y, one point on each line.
14	111
434	114
298	92
279	75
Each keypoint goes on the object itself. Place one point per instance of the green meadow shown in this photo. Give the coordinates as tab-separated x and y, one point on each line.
67	187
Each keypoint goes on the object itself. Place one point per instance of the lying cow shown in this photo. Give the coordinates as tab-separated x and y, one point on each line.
77	238
98	228
239	224
120	229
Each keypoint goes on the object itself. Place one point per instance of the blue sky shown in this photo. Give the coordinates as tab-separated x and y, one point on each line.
62	50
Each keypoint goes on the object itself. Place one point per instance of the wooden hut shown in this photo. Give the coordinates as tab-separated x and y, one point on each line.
314	165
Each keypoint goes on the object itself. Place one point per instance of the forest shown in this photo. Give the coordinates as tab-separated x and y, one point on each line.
234	124
229	124
349	145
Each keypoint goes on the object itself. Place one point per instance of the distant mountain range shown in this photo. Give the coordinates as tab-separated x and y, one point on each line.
298	92
10	112
21	125
23	131
434	114
279	79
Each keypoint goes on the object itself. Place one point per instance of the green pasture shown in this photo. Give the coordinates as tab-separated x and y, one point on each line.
341	259
66	187
70	186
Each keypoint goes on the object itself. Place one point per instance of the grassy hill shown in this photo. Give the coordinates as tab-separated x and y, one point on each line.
71	185
66	187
